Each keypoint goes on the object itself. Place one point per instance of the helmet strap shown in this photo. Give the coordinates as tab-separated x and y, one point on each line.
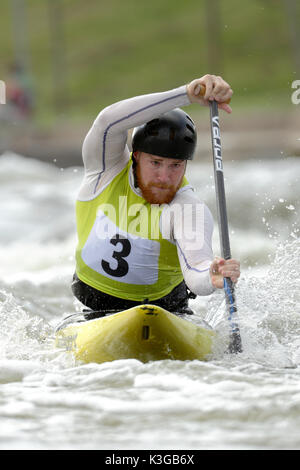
134	164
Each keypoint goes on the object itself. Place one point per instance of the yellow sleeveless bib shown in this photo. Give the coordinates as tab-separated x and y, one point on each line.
120	248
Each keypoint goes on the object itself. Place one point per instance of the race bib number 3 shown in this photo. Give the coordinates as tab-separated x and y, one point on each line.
119	255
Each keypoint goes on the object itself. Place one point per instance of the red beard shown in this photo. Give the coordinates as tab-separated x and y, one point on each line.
159	197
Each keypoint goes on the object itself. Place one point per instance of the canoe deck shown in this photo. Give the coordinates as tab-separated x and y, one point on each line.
145	332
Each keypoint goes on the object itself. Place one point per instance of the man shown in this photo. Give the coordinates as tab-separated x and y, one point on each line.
143	235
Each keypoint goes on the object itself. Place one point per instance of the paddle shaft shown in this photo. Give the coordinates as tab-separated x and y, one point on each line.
235	345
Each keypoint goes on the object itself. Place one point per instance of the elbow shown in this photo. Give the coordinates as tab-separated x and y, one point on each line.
95	136
102	122
199	282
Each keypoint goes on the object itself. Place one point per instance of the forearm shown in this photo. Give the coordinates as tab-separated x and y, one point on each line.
193	236
197	277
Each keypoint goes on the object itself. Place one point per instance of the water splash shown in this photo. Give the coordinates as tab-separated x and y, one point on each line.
26	342
268	310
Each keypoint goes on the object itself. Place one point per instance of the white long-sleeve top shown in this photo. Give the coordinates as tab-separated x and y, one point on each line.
106	153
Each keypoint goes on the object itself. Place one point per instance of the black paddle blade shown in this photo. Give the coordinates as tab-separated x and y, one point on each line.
235	345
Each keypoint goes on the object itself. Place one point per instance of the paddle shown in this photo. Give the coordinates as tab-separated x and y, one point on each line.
235	345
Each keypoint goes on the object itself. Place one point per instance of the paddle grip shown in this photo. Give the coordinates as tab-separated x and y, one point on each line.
200	90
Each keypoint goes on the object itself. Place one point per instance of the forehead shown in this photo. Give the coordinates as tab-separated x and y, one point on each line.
149	156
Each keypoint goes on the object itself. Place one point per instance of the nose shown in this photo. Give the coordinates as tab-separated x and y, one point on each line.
163	175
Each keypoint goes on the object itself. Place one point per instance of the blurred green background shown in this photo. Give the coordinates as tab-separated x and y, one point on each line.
81	55
78	56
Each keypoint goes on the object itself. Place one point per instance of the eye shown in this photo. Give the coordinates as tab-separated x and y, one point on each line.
155	163
176	165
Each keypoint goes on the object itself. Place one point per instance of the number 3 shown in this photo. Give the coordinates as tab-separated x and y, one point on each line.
123	267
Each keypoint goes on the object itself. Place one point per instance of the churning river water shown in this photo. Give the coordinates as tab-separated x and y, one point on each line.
245	401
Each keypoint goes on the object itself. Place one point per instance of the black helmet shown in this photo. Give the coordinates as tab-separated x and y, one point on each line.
170	135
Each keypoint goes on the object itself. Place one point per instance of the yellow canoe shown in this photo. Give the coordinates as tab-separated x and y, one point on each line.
145	332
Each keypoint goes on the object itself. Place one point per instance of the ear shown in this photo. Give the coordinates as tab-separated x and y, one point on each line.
136	155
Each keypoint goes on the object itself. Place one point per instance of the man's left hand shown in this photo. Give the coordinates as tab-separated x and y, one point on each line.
221	268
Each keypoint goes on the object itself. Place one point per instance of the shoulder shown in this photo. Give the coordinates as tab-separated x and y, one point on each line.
186	212
93	184
187	196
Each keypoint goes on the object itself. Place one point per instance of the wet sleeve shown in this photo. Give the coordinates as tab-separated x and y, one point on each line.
195	252
105	146
191	228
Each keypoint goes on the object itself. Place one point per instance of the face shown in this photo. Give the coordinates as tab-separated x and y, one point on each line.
158	178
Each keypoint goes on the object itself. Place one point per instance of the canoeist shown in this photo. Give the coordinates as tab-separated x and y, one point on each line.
143	234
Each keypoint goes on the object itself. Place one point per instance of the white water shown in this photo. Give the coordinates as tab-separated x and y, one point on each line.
248	401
